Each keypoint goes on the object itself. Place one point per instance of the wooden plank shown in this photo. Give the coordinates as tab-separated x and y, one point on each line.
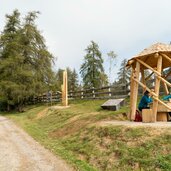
157	87
148	77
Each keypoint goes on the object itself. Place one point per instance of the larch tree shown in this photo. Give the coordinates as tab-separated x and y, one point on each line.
92	68
73	81
59	79
26	64
11	60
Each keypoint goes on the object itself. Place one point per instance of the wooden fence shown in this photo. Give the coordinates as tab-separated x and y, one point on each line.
100	93
108	92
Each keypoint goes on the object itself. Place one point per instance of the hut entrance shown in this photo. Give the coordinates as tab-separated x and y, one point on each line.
156	58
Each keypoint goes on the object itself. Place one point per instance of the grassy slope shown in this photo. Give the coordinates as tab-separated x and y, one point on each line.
72	134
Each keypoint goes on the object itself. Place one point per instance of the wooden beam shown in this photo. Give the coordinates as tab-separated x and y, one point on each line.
166	57
144	86
169	73
135	91
161	102
156	72
143	78
157	87
149	76
165	81
165	88
154	95
149	67
130	62
131	92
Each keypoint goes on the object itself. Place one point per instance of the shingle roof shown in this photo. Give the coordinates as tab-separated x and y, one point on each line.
147	55
158	47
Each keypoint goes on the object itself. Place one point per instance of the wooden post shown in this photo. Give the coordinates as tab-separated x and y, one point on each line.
143	78
134	91
110	94
51	97
82	94
131	92
165	88
65	89
94	96
157	87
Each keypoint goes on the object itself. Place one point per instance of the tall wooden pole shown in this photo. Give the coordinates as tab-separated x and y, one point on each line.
157	86
166	88
131	92
65	89
143	78
134	91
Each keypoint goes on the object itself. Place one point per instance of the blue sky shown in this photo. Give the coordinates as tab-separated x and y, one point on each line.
123	26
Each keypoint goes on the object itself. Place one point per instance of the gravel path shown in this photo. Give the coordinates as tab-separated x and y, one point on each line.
20	152
137	124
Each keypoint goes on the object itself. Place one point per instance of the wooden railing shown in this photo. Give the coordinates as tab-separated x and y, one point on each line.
100	93
108	92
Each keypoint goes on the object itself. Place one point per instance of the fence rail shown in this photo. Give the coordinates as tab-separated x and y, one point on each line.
107	92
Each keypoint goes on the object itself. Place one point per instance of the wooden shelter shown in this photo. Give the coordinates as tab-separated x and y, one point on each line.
155	58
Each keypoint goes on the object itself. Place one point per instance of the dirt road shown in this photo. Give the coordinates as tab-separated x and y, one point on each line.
20	152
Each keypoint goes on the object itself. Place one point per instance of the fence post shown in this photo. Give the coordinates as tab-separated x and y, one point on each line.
93	93
71	95
82	94
110	94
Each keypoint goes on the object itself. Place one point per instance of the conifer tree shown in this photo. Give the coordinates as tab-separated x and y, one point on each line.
73	81
59	79
92	67
26	64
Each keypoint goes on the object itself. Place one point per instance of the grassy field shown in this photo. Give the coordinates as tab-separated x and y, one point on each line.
74	134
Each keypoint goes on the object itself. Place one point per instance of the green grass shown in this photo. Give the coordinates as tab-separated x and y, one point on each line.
73	134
